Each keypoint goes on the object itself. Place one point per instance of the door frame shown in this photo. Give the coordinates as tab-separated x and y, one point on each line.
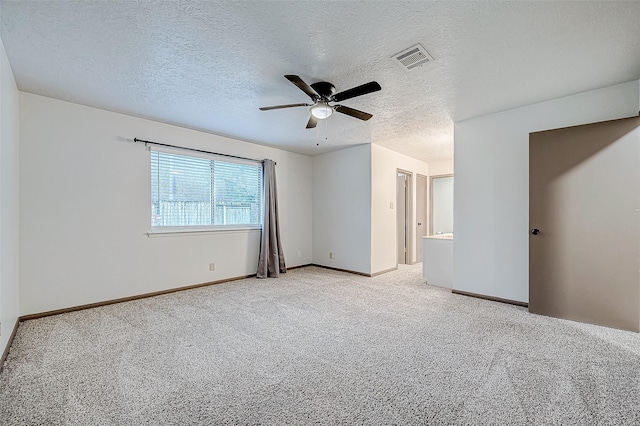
427	213
408	217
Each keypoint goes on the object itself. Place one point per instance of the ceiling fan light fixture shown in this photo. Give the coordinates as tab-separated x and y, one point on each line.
322	93
321	110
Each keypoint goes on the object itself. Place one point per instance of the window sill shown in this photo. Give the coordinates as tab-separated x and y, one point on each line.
173	232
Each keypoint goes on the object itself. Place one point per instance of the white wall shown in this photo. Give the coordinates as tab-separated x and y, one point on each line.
384	165
85	209
342	209
9	218
439	168
491	244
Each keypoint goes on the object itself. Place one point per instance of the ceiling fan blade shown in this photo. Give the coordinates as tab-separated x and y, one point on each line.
303	86
283	106
352	112
369	87
313	122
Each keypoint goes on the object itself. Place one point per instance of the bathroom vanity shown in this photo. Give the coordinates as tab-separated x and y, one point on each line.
437	260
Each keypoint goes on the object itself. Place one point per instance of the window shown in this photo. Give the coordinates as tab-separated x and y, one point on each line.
204	192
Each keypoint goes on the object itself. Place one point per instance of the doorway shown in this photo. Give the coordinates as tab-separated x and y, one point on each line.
584	225
422	185
441	218
403	217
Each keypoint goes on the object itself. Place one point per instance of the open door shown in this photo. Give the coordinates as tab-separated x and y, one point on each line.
584	217
422	183
403	217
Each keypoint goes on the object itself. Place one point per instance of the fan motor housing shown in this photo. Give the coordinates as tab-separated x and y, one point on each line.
324	89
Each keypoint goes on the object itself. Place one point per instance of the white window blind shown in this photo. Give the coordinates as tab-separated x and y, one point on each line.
189	191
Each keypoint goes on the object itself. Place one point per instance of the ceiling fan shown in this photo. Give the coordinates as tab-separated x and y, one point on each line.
321	93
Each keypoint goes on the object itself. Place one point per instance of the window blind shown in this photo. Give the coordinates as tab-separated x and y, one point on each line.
204	192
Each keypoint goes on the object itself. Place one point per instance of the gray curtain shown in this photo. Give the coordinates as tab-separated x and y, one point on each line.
271	259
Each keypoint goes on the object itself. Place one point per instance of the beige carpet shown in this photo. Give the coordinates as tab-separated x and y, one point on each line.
318	347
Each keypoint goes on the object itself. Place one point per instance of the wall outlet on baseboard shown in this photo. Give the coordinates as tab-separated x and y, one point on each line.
212	266
331	255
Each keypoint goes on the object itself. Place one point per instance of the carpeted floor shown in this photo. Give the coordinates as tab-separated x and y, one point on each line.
318	347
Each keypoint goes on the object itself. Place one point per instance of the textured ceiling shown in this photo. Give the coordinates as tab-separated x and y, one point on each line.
210	65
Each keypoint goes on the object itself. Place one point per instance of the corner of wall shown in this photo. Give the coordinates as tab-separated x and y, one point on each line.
9	200
342	209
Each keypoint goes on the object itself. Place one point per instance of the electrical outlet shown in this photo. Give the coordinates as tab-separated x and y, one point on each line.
212	266
391	205
299	253
331	255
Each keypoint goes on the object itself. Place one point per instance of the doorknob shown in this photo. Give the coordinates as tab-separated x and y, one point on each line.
535	231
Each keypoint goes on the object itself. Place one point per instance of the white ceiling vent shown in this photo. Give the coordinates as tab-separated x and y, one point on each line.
412	57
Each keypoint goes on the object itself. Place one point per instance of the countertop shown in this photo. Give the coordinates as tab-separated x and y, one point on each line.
440	237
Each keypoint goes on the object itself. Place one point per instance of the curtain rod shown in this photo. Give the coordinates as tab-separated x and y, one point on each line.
196	150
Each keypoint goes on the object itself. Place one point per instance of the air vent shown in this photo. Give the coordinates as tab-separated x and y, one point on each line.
412	57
